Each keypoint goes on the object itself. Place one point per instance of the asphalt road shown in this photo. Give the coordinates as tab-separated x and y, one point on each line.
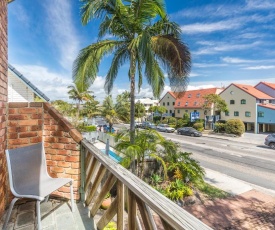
252	163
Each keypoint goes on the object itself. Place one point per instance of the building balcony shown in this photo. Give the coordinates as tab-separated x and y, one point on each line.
134	204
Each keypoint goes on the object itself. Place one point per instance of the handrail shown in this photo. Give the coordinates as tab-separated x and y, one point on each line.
172	216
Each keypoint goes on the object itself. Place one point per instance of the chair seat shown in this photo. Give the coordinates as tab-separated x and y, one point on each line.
40	189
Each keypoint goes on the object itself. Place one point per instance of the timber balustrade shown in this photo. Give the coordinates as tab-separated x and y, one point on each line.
133	196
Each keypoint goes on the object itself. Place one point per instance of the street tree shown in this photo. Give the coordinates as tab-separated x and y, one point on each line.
144	37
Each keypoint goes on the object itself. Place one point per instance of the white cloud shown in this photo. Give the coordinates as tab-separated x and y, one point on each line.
260	67
210	27
61	30
208	65
236	60
260	4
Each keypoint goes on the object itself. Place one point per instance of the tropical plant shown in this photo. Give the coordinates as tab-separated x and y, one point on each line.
144	37
176	190
216	101
198	126
65	108
147	143
91	108
139	110
79	93
109	112
122	106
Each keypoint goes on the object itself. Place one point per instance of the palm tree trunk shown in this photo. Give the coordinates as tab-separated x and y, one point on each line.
132	98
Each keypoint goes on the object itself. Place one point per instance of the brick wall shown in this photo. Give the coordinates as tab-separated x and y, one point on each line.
3	100
34	122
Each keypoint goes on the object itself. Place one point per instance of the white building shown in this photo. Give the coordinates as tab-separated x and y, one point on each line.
20	89
147	102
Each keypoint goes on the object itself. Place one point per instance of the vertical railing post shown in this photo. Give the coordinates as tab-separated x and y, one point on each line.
82	175
107	147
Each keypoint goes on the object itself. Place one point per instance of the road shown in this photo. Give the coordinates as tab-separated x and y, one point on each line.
251	163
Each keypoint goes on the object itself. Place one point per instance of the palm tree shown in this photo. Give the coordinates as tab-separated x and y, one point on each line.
109	112
92	108
79	94
122	106
144	37
139	110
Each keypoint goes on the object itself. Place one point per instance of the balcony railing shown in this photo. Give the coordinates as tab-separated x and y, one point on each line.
133	195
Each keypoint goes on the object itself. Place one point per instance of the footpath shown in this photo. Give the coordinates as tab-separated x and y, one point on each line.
250	207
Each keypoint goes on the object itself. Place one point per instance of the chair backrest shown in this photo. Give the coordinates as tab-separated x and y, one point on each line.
26	165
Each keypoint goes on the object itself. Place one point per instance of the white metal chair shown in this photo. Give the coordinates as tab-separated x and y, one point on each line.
29	178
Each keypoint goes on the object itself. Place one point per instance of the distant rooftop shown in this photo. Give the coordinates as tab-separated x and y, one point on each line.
27	82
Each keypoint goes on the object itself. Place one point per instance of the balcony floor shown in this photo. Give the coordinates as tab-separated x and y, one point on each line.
55	215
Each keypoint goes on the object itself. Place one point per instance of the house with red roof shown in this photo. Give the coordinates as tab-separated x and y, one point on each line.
168	101
193	101
243	101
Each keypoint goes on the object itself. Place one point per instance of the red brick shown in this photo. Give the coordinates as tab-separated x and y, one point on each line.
17	129
37	116
27	134
51	151
76	165
58	158
64	152
36	139
28	122
72	159
36	104
12	136
35	128
57	133
13	111
57	169
47	144
75	153
71	146
18	104
57	146
19	141
49	139
12	123
72	171
27	110
64	140
48	156
64	189
64	164
40	122
51	163
18	117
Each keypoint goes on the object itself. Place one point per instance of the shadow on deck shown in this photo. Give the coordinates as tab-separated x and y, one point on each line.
55	215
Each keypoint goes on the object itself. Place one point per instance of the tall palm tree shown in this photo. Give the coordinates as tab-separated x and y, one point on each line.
79	94
92	108
139	110
144	37
109	112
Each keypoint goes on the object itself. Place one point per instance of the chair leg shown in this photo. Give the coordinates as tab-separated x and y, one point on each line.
9	212
72	196
38	216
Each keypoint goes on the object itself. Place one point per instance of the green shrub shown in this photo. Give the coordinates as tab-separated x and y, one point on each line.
172	121
181	123
90	128
219	127
156	119
198	126
235	126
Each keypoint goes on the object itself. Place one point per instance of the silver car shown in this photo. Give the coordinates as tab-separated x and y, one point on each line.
165	128
270	140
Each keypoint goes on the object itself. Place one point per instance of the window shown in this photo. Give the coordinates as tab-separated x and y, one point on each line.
167	103
178	103
166	111
186	111
236	113
226	113
195	103
163	103
170	111
186	103
178	111
232	102
260	114
198	95
243	101
189	95
195	111
247	114
173	103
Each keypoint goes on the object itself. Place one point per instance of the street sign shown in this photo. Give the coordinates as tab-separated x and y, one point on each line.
194	116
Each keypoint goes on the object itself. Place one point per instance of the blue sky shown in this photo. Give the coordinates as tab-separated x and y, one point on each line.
230	41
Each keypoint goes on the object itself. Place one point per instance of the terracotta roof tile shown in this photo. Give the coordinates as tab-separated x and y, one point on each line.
253	91
194	98
269	106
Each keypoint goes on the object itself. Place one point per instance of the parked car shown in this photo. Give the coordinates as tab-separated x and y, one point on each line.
270	140
138	124
146	124
189	131
165	128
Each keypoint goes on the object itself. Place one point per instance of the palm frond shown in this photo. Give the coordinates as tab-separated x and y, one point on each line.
86	65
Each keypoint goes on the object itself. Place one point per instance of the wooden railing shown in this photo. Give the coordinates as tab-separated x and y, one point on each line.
133	196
